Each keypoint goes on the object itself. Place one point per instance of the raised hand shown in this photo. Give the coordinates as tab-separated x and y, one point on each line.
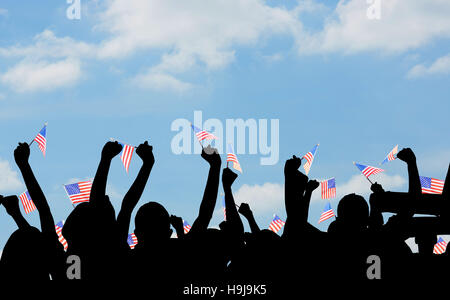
228	177
212	156
312	185
292	165
145	152
22	154
177	223
245	210
11	204
111	149
376	188
407	155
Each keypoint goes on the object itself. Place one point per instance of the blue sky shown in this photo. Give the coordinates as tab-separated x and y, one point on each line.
128	69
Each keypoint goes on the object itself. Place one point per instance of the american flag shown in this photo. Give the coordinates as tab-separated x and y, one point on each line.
79	192
391	155
327	213
62	240
233	158
224	209
276	224
202	134
309	158
328	188
431	185
41	139
440	246
126	154
368	170
132	240
186	227
27	203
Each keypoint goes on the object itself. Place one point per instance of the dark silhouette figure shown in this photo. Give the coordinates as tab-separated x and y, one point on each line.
161	263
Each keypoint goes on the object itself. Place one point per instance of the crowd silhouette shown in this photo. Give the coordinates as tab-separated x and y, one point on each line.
354	241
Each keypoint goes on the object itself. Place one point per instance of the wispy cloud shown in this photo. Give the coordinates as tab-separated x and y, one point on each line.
440	66
34	76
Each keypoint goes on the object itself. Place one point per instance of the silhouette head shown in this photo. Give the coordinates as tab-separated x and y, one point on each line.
353	212
24	255
152	222
77	229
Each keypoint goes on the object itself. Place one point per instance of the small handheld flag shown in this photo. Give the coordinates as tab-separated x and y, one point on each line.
276	224
61	239
431	185
203	134
391	155
233	158
132	240
440	246
328	188
79	192
27	203
41	139
327	213
126	154
368	170
224	209
309	159
186	226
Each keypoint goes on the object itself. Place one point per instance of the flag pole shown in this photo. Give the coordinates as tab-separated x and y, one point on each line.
363	174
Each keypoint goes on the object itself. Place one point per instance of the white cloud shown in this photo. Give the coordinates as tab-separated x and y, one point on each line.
29	76
9	179
160	82
263	199
47	45
207	35
403	25
3	12
439	66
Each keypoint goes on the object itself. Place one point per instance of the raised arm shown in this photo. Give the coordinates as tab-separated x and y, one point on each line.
11	204
21	156
245	210
294	188
233	220
414	188
133	195
210	194
304	209
98	190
